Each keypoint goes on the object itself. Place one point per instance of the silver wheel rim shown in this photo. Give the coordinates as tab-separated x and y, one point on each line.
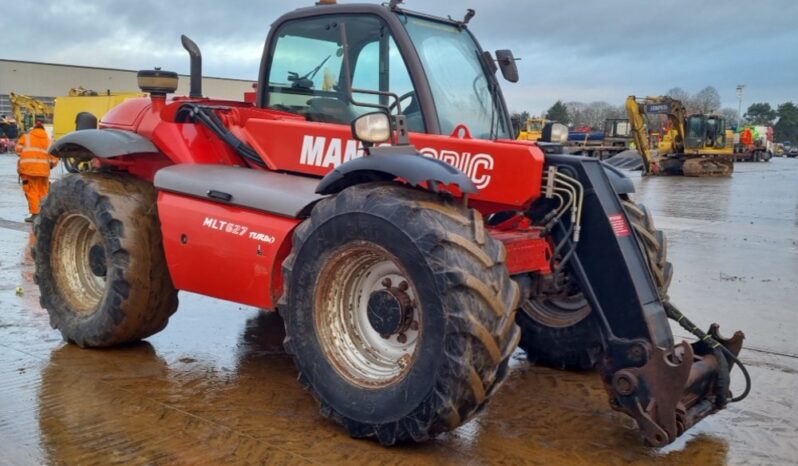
73	238
356	350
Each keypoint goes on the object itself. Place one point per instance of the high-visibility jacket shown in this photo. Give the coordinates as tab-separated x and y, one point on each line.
34	160
747	138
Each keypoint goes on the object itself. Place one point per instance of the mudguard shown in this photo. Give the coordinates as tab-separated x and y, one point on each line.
103	143
619	181
388	165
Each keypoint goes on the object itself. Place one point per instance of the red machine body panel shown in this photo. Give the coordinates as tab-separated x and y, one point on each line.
527	250
190	143
224	251
317	148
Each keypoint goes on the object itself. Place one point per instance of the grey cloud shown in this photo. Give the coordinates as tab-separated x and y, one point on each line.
570	50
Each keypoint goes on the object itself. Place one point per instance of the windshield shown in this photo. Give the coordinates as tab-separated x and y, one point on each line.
460	87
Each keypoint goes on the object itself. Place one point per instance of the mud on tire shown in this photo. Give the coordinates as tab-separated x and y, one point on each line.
463	307
99	258
578	344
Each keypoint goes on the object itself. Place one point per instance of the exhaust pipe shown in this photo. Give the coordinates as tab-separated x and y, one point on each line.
196	66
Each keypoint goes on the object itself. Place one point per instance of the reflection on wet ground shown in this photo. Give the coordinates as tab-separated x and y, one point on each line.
216	388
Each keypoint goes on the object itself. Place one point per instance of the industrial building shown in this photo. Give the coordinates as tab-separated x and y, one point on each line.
45	81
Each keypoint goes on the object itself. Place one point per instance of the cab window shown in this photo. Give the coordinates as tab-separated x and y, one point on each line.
720	135
307	67
696	131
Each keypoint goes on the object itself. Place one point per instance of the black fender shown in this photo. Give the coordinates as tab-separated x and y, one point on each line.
389	165
103	143
621	183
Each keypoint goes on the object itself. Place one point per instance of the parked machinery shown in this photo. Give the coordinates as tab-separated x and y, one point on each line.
614	139
399	268
27	110
754	143
533	129
8	134
694	145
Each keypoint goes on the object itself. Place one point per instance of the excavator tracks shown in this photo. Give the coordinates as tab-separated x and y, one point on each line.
708	166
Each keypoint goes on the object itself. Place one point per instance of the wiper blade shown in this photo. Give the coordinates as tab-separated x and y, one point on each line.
312	74
306	81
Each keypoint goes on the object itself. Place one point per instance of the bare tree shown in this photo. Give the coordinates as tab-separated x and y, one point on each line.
679	94
731	116
707	100
593	114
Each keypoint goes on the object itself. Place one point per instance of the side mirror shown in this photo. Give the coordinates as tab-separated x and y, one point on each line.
507	64
555	132
372	128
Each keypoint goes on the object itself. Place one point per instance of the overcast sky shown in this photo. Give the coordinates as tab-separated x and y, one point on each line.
585	50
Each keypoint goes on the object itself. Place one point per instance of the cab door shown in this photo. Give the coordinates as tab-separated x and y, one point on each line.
305	76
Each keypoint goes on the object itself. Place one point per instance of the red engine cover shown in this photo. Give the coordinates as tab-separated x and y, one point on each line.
225	251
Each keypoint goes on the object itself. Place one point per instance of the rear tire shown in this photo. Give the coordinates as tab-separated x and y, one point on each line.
100	264
379	243
561	331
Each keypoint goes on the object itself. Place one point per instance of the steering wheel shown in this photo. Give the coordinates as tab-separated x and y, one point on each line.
403	97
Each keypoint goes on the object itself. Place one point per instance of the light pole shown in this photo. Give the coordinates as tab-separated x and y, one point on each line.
740	89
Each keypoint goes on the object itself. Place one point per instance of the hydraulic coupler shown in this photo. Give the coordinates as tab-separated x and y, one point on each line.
667	388
668	391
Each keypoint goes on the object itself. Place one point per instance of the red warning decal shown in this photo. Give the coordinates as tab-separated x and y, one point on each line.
619	225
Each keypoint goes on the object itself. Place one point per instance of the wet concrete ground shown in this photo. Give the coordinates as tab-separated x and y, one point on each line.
216	388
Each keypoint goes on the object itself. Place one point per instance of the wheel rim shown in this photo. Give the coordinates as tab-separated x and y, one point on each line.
78	263
353	277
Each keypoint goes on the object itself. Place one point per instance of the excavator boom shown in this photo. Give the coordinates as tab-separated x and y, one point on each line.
34	108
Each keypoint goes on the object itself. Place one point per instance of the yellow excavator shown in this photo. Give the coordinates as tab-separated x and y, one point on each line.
695	145
28	109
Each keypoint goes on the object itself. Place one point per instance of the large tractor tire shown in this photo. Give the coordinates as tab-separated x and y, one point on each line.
560	331
100	264
399	311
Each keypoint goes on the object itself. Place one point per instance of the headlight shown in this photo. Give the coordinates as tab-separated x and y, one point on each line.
372	127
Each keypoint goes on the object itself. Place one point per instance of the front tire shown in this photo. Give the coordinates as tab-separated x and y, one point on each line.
560	331
399	312
100	264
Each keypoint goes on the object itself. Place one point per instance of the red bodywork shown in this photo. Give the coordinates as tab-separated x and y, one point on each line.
256	243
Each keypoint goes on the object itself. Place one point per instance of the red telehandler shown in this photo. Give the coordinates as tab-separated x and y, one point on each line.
374	197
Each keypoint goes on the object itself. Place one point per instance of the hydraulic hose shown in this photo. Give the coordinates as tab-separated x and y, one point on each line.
676	315
207	117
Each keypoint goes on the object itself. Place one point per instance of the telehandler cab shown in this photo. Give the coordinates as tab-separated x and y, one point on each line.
373	196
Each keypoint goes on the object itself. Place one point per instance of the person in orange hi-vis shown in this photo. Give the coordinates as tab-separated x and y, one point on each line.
34	166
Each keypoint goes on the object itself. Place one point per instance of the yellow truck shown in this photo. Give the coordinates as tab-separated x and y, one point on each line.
82	100
533	130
